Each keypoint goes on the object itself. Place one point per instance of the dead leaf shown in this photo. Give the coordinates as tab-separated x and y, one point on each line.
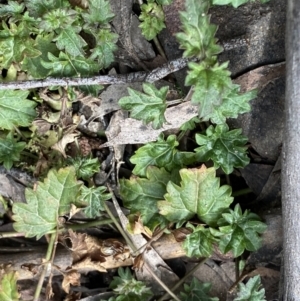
133	131
135	226
87	264
79	246
62	143
73	211
71	277
138	263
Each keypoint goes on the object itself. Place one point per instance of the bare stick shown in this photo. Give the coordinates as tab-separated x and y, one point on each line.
140	76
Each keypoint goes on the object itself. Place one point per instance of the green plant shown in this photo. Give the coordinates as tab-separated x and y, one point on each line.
128	288
43	39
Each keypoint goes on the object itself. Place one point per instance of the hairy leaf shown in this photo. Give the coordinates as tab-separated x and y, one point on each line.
59	20
70	41
164	2
162	153
10	150
198	36
9	288
147	107
94	197
85	167
15	109
211	84
239	231
152	17
65	65
11	9
140	195
225	148
105	47
16	43
99	12
51	199
252	291
37	8
199	193
199	243
232	105
196	291
128	288
190	125
234	3
33	65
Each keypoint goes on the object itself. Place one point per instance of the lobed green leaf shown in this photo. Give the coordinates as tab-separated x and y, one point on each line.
51	199
94	198
198	36
149	106
103	53
152	17
251	291
37	8
199	193
85	167
211	84
162	153
232	105
15	109
99	12
9	287
225	148
239	231
199	243
196	291
140	195
10	150
70	41
33	65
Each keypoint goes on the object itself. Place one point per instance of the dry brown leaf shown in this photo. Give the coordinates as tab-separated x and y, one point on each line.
133	131
135	226
87	264
79	247
71	277
62	143
73	211
138	263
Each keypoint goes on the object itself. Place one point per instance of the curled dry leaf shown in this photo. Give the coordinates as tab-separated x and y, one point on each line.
62	143
90	252
87	265
71	277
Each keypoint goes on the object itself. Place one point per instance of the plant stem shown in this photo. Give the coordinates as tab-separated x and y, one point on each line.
242	192
119	227
46	267
11	234
181	281
159	48
106	221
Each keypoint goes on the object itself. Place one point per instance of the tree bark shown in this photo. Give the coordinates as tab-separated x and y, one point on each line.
291	158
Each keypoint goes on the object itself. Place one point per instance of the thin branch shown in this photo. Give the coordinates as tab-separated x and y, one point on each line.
46	267
140	76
